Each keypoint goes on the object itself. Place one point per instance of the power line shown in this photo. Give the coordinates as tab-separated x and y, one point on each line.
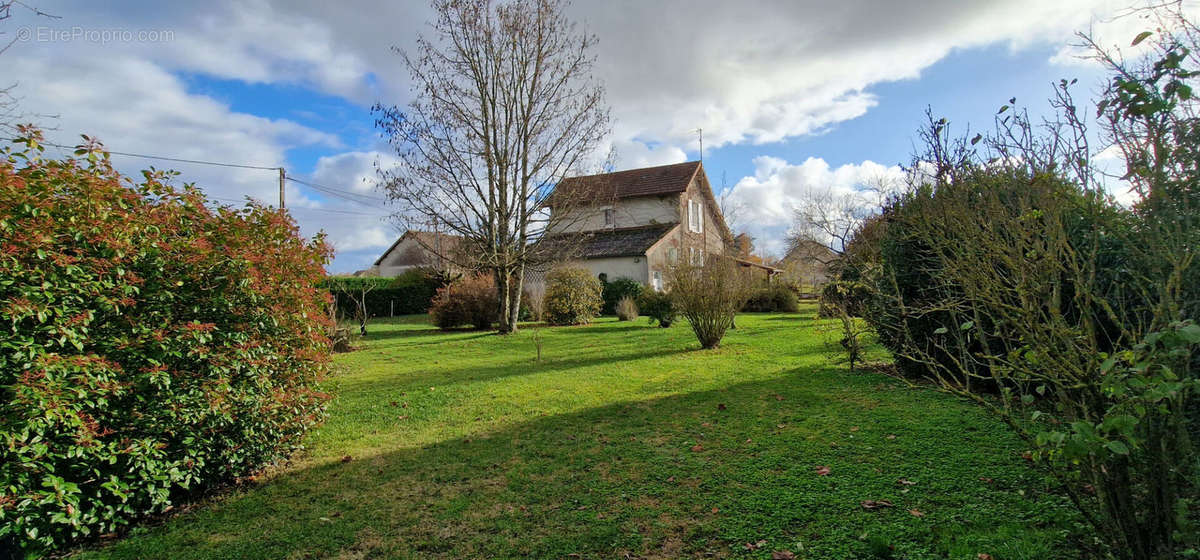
365	200
359	198
145	156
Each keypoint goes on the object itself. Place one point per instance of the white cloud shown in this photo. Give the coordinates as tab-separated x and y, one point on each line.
355	171
758	72
767	200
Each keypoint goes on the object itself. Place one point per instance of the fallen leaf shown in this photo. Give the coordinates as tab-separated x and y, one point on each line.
778	397
984	556
985	480
822	470
853	428
916	513
1027	456
891	436
755	545
705	425
715	510
347	459
720	406
697	448
905	482
748	440
394	403
404	405
402	417
672	479
783	555
876	504
781	426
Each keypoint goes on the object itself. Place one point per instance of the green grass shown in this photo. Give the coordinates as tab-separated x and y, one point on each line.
461	446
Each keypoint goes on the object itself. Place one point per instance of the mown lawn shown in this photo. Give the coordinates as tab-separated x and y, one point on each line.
626	441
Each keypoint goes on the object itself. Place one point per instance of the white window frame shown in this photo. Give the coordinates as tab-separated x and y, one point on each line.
610	217
656	281
695	216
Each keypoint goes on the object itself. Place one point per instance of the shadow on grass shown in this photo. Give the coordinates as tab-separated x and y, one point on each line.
695	474
514	367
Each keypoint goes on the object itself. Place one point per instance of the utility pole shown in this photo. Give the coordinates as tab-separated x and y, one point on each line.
282	178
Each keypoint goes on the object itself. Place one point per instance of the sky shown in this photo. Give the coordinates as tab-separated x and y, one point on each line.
792	96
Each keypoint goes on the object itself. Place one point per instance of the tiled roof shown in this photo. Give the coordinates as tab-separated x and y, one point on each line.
622	242
664	179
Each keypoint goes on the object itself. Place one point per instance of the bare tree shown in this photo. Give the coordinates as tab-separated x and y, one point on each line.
505	108
10	112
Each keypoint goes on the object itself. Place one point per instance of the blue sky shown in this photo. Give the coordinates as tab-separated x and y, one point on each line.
792	96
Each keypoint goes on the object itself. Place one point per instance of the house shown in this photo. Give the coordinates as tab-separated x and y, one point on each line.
636	223
417	249
806	265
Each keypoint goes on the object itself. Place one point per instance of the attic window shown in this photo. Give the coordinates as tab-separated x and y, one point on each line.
609	217
695	216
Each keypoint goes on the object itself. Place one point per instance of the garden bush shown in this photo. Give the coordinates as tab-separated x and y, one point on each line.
152	346
843	297
773	297
573	296
468	301
614	291
658	307
627	309
709	296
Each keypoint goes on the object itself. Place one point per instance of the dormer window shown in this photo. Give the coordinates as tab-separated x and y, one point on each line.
609	217
695	216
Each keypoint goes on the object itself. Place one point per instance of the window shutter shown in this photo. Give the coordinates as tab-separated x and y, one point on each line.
699	217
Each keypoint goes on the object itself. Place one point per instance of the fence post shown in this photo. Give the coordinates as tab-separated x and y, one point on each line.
393	311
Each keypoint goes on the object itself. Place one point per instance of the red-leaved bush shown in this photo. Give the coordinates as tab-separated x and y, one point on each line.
150	345
470	300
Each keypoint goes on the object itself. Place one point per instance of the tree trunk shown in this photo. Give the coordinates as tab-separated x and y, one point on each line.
504	299
516	300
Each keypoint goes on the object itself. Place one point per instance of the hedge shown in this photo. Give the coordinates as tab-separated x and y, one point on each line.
407	294
152	346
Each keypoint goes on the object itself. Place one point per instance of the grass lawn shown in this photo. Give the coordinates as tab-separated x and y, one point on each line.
626	441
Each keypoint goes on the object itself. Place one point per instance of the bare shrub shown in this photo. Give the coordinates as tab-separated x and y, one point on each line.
709	296
627	309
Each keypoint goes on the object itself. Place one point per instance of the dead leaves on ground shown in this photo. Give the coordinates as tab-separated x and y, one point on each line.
822	470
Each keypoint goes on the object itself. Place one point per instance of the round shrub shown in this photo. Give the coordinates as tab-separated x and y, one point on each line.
659	307
572	296
468	301
616	290
773	297
152	346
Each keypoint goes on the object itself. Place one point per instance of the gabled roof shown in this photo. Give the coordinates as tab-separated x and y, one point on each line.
428	240
647	181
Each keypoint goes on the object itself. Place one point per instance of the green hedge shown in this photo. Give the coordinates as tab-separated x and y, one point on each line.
407	294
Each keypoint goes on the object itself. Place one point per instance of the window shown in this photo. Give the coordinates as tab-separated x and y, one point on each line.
672	255
609	217
695	216
656	281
